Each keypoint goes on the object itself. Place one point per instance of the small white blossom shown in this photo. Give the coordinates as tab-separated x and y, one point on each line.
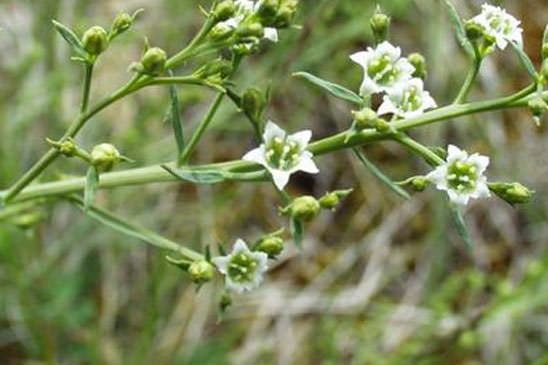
500	25
283	154
243	268
383	68
462	176
407	99
245	9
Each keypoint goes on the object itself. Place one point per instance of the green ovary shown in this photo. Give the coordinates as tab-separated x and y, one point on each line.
411	100
282	154
242	268
383	71
462	176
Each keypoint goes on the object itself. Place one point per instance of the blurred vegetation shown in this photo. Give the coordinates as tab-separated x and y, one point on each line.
380	281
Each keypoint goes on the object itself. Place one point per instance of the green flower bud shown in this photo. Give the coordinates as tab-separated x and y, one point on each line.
201	272
250	30
122	22
95	40
304	208
286	13
221	32
271	245
225	302
474	31
364	118
380	24
268	9
154	61
253	102
332	199
220	67
418	61
224	10
538	106
104	156
419	183
513	193
68	148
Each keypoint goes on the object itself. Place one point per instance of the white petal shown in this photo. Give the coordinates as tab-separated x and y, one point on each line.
306	164
455	154
482	190
301	138
361	58
280	178
271	131
439	177
222	263
428	101
480	161
256	155
387	107
460	199
271	34
385	48
406	69
233	286
240	247
369	87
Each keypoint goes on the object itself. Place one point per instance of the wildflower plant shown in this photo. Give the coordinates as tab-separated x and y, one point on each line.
235	30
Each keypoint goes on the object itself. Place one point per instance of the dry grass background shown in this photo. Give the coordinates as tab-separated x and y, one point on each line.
380	281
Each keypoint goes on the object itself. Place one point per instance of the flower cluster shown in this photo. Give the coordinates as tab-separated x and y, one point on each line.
462	176
386	71
499	26
282	154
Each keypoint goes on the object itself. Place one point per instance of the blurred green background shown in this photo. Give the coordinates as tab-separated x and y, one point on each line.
380	281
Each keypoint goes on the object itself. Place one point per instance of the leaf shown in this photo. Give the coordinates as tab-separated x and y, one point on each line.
459	29
525	60
181	264
297	230
457	217
176	122
71	39
92	184
215	176
544	41
380	175
337	91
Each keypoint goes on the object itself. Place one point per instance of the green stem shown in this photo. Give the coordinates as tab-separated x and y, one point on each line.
87	87
418	148
121	225
470	78
156	174
180	57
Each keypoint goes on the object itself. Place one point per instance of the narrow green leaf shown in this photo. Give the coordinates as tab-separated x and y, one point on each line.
380	175
92	184
176	122
215	176
459	29
181	264
457	217
337	91
71	38
297	230
525	60
544	41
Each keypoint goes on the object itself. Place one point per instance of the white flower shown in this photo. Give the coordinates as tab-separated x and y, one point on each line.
407	99
245	9
462	176
383	68
500	25
243	268
283	154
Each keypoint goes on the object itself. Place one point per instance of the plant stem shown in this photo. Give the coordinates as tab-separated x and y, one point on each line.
470	78
418	148
87	87
156	174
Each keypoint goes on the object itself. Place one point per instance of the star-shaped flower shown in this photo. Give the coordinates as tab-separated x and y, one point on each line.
282	154
462	176
383	68
243	268
500	25
407	99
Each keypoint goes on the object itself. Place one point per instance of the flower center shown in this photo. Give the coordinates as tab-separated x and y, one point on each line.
242	268
382	70
411	100
462	176
282	154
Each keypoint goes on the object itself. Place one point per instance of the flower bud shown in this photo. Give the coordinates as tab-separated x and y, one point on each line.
220	67
419	183
513	193
364	118
224	10
537	106
104	156
154	61
221	31
380	24
417	60
95	40
268	9
332	199
68	148
225	302
122	23
201	272
285	14
474	31
271	245
304	208
250	30
253	102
